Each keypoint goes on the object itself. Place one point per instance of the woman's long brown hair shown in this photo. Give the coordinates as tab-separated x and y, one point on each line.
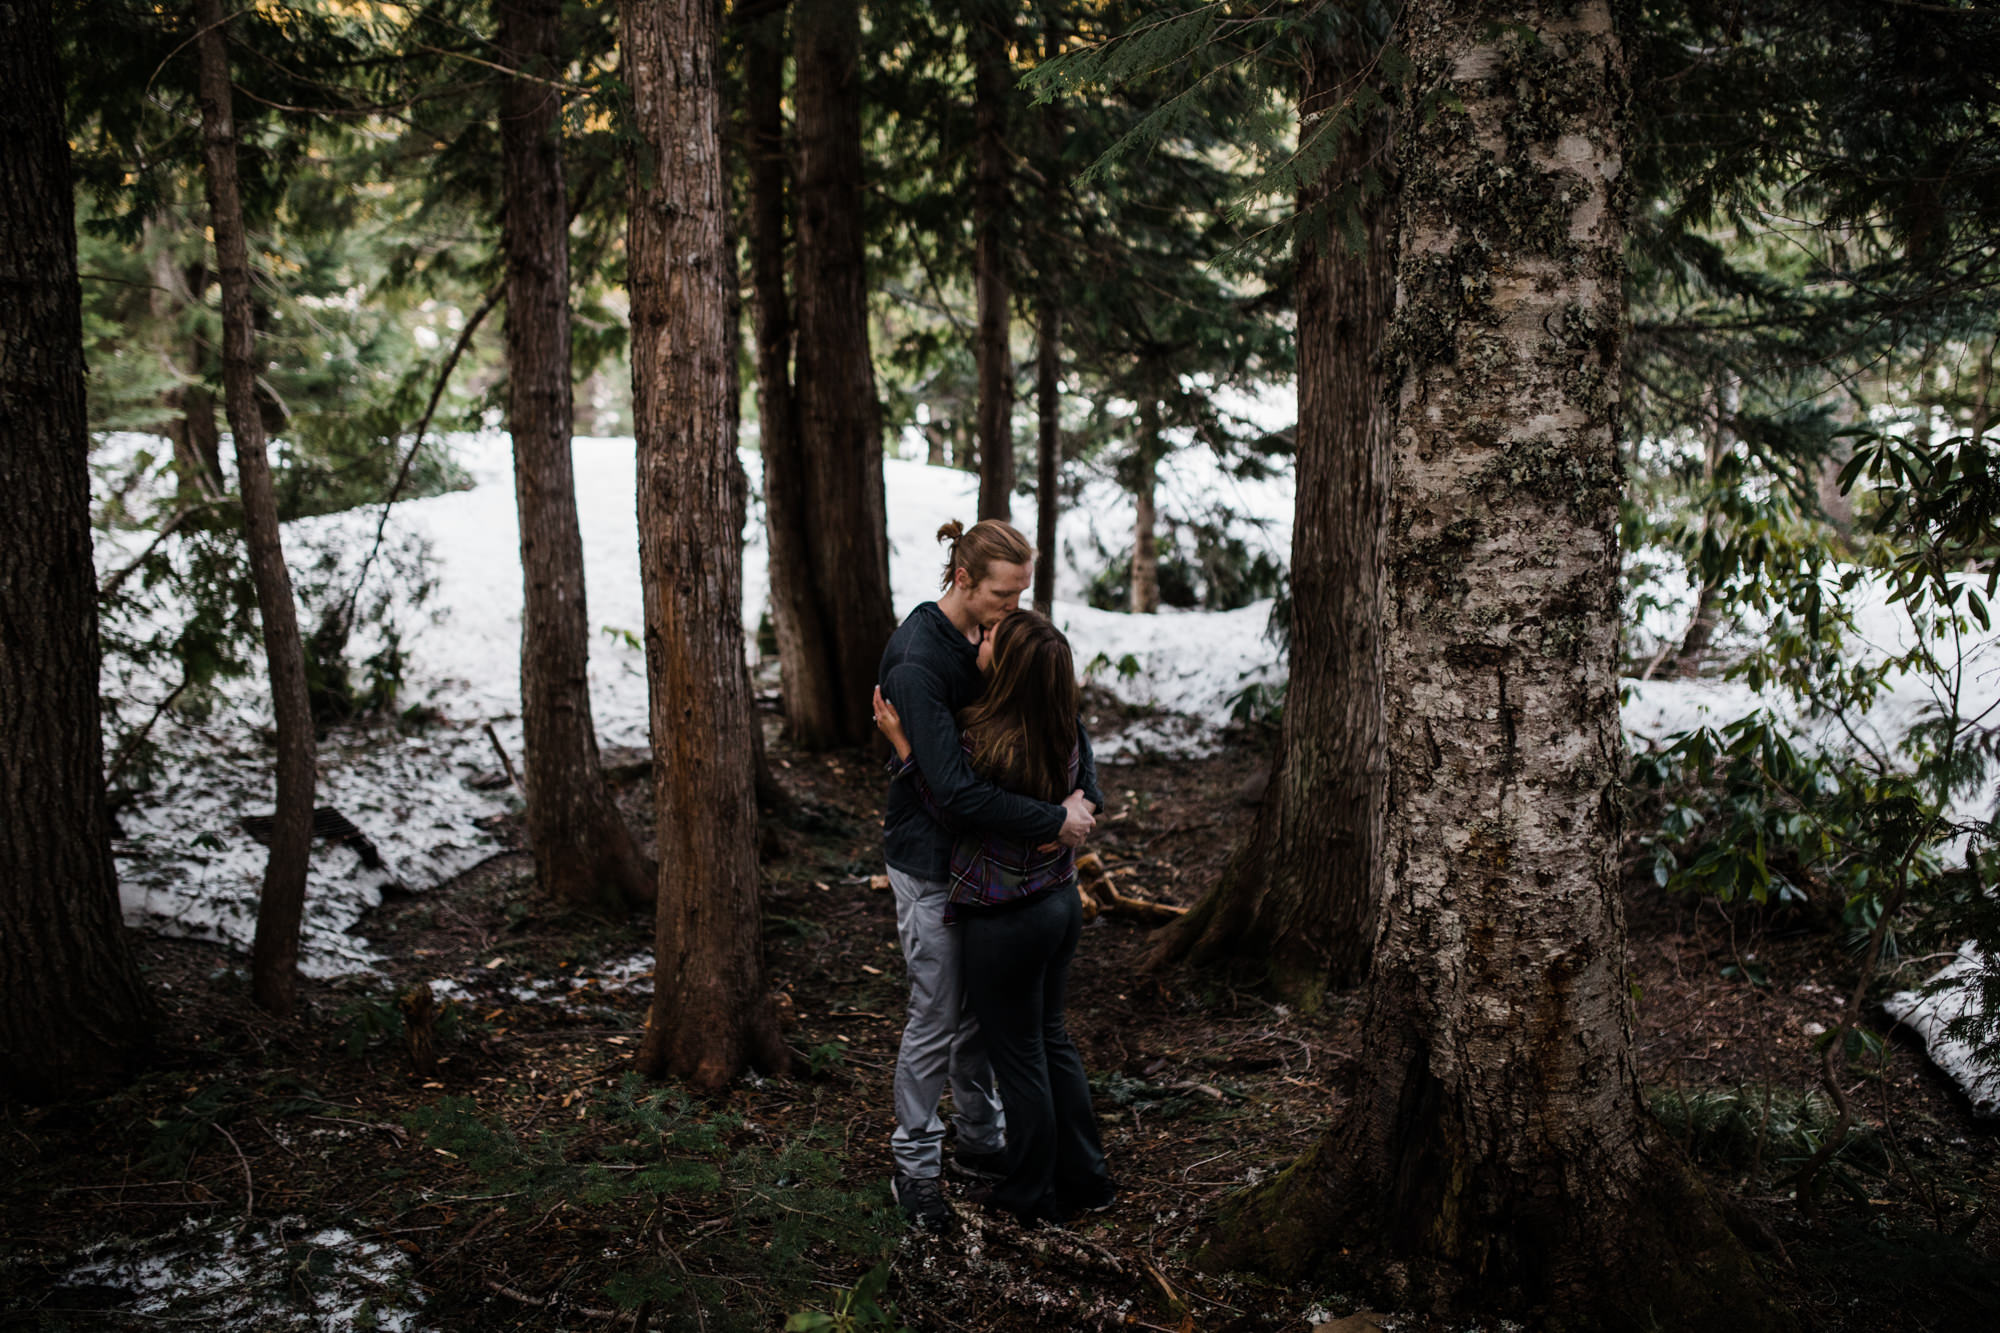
1023	728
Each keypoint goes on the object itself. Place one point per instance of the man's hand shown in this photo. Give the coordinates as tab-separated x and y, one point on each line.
1077	820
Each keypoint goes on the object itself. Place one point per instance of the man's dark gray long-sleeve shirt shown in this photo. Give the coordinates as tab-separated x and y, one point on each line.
929	672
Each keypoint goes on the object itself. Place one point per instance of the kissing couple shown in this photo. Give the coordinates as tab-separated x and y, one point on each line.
991	792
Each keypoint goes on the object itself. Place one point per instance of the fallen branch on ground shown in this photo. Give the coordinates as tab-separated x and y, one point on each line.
1100	893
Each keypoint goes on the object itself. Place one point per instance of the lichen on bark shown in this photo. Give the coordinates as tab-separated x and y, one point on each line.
1495	1155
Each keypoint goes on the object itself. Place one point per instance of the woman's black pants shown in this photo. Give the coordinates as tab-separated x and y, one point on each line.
1016	967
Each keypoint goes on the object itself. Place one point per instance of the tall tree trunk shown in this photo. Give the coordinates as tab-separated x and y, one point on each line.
585	855
1298	897
1048	355
1145	590
274	961
711	1012
796	615
1048	443
839	419
989	34
72	1008
1495	1141
737	146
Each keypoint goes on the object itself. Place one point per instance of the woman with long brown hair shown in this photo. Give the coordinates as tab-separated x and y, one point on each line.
1018	911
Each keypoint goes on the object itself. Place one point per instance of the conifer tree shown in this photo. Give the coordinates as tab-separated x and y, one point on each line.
838	420
1164	307
711	1013
989	29
1297	900
72	1007
797	614
281	904
584	853
1053	168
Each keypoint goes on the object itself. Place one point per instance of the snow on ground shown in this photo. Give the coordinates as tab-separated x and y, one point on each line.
573	991
275	1276
1968	688
187	867
1928	1015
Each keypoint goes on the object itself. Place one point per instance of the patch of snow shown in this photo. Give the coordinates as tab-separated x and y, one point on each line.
276	1277
571	993
1928	1015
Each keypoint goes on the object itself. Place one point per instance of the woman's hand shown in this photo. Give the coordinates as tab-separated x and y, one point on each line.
890	723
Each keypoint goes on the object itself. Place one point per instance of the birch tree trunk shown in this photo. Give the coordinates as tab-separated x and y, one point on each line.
275	951
712	1014
989	31
1297	899
585	856
72	1007
839	419
1494	1154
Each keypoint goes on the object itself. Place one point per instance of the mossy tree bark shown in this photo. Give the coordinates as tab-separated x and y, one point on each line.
839	420
1297	899
989	34
585	856
72	1008
1494	1154
712	1014
274	958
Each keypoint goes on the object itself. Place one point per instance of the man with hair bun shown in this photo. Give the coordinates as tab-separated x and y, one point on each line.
931	670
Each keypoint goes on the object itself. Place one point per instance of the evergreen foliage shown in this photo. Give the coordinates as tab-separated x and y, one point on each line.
1816	286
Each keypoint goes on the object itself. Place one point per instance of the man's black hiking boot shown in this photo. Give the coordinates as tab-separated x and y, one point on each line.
922	1200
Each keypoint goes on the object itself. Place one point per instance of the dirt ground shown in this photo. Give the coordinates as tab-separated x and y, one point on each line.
307	1175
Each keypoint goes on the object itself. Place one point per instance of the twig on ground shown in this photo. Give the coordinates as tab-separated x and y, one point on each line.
1173	1298
505	762
512	1294
1116	1264
249	1189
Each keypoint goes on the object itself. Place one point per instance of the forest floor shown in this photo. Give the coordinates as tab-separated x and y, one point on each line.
305	1175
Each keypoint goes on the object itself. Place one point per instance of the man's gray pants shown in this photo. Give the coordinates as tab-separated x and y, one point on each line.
941	1039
